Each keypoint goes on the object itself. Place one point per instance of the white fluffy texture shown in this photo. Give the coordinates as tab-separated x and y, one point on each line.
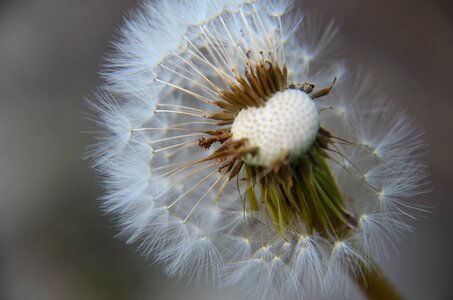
286	125
169	62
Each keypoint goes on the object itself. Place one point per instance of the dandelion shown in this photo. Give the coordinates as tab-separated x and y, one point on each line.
235	150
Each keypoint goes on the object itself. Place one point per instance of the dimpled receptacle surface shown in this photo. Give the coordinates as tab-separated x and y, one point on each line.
286	125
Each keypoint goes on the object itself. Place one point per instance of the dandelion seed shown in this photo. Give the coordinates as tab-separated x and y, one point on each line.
236	150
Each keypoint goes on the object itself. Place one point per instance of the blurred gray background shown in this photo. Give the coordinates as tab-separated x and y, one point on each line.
54	241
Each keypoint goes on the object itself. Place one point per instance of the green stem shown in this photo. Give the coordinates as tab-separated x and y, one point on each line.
375	286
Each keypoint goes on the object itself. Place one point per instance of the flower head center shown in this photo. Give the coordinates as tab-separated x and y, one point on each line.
285	127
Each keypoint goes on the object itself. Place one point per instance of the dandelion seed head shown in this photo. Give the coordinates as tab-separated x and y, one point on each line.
233	148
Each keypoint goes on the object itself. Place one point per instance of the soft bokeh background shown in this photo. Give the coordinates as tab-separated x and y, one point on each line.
54	241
